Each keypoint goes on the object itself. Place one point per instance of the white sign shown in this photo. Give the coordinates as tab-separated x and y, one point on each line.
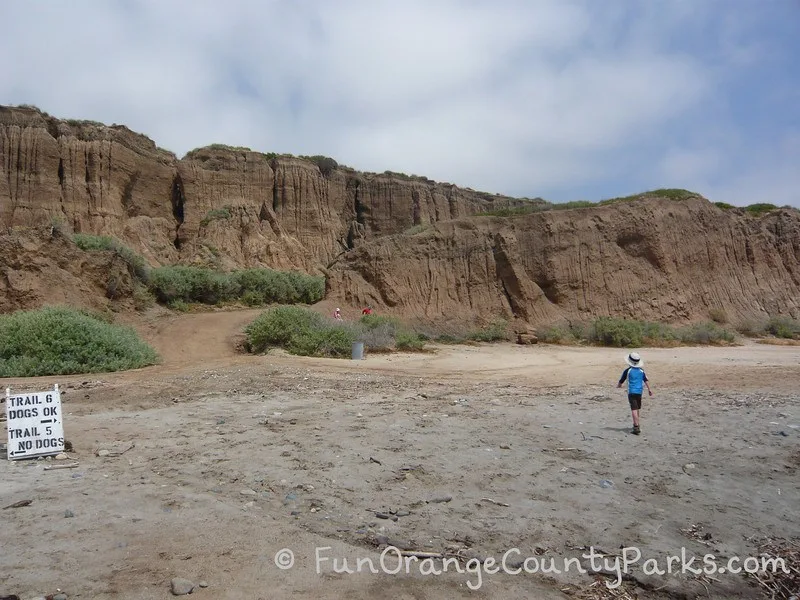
34	424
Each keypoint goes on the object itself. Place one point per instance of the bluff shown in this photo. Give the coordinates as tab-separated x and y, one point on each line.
404	244
651	258
239	207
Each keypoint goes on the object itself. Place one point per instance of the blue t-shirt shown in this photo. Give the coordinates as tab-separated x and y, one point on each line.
636	378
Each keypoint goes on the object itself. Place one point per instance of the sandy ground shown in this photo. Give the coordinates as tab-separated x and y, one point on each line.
237	457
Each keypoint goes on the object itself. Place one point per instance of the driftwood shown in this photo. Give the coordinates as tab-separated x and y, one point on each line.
495	502
54	467
19	504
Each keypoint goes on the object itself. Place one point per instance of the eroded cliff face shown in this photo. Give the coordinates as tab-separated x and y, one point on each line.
405	244
218	204
41	266
648	259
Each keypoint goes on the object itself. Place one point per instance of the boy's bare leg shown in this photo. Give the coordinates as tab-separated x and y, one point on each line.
635	415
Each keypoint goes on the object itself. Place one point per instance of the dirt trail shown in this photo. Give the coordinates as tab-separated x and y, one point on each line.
196	338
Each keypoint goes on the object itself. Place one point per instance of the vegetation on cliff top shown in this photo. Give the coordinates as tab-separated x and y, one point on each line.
676	195
62	341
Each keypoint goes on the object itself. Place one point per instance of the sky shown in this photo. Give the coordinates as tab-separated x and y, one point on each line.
560	99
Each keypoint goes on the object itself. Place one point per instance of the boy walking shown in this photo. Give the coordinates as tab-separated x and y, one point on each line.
636	380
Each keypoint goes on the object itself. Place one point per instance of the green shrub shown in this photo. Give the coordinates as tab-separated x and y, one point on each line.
142	298
705	333
760	208
216	214
253	286
305	332
63	341
621	333
189	284
573	204
667	193
280	287
89	242
178	306
724	205
409	340
136	264
752	328
783	327
334	340
497	330
552	334
718	315
277	327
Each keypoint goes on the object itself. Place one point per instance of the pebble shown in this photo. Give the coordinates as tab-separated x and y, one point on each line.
60	597
103	452
61	456
403	513
181	587
68	514
248	493
440	499
505	447
203	584
605	483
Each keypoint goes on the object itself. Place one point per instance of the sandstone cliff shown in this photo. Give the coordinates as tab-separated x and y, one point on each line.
41	266
649	259
243	207
405	244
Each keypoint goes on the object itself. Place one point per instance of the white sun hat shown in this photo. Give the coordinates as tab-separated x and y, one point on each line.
634	360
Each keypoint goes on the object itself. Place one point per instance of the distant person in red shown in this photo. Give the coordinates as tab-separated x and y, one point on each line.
367	311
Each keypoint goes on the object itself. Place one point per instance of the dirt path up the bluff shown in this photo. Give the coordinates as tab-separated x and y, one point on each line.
195	339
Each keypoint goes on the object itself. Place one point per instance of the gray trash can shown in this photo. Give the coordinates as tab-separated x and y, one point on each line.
358	350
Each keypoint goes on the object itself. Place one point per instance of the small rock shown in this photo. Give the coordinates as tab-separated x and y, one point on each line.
248	493
688	468
68	514
203	584
505	447
314	509
181	587
103	453
381	515
440	499
403	513
60	596
61	456
605	483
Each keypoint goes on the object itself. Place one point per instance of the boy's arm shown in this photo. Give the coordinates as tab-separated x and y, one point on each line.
623	378
647	383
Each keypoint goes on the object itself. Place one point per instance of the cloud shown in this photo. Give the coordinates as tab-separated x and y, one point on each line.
553	98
